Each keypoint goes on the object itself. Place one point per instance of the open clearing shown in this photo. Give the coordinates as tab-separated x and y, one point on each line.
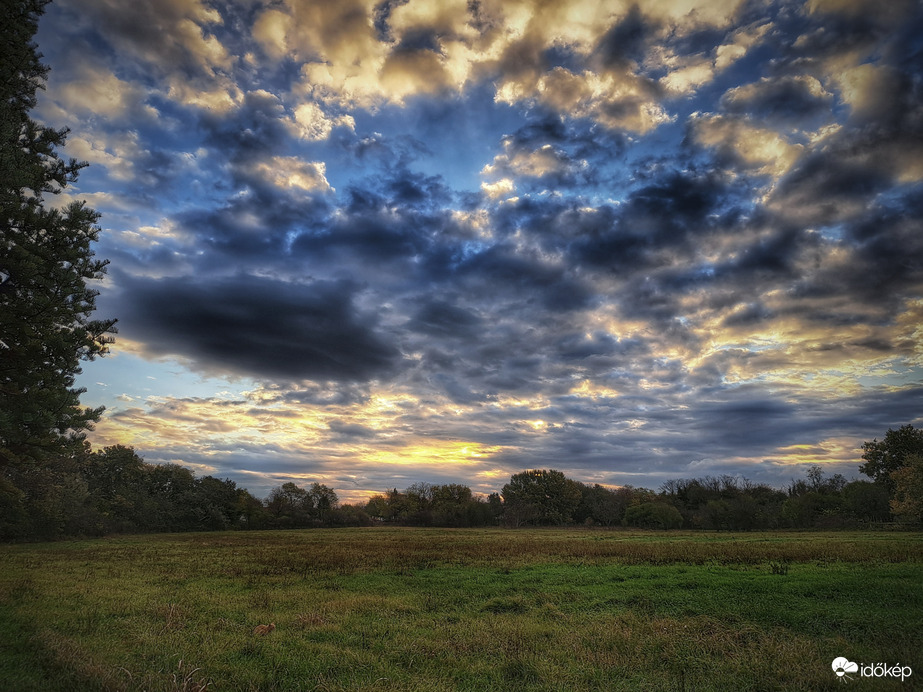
436	609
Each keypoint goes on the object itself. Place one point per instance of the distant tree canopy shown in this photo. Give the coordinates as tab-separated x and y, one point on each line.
424	504
541	497
290	505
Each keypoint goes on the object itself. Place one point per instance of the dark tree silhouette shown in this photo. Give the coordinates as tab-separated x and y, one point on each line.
884	458
46	262
540	496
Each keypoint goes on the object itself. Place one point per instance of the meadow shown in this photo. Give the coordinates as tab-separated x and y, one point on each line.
436	609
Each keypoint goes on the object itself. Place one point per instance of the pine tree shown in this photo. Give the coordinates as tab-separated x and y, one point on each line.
46	262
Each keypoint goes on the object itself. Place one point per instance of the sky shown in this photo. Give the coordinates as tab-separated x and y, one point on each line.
369	243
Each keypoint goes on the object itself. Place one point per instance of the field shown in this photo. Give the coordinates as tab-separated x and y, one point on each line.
420	609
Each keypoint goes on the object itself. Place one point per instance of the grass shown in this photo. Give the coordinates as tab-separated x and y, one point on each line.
420	609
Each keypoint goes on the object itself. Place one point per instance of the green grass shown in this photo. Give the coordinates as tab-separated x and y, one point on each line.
420	609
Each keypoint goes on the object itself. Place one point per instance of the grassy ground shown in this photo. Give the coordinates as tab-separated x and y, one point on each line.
419	609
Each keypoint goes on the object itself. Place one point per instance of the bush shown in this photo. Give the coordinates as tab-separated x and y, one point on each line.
653	515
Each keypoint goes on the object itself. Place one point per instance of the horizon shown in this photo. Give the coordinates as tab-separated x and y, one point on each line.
375	244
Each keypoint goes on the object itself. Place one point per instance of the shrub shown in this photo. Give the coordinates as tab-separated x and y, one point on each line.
653	515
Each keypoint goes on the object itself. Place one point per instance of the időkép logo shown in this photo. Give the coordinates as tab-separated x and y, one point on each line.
843	668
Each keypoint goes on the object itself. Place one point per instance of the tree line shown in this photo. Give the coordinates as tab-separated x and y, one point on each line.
115	491
546	497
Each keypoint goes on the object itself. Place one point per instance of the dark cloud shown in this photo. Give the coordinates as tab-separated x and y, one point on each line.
626	41
346	429
249	228
597	345
655	221
882	245
439	318
370	237
157	39
529	279
799	101
252	132
258	327
749	314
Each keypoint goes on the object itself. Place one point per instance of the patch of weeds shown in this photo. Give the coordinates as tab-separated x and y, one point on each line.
310	620
187	680
641	603
779	567
250	649
520	671
506	604
173	617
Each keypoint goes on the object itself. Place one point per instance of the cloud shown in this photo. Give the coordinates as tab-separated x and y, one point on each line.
442	319
258	327
290	172
89	88
790	100
760	150
553	166
174	40
453	240
355	56
503	187
311	123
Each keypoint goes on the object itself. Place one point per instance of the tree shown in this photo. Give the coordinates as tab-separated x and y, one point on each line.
885	457
908	489
379	508
653	515
601	505
216	502
454	505
866	501
822	485
323	501
540	496
289	504
122	489
46	261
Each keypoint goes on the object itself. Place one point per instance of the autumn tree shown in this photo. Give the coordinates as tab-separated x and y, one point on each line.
908	489
883	458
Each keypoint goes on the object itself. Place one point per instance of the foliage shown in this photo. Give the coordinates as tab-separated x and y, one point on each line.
291	506
908	489
46	262
883	458
424	504
726	503
540	497
866	501
653	515
601	505
114	491
46	330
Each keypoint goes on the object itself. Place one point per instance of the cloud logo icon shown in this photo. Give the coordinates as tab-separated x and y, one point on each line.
841	666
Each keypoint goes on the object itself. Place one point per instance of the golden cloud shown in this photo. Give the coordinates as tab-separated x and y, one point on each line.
760	149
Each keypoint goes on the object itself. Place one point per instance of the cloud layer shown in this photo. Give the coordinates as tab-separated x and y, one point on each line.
447	241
